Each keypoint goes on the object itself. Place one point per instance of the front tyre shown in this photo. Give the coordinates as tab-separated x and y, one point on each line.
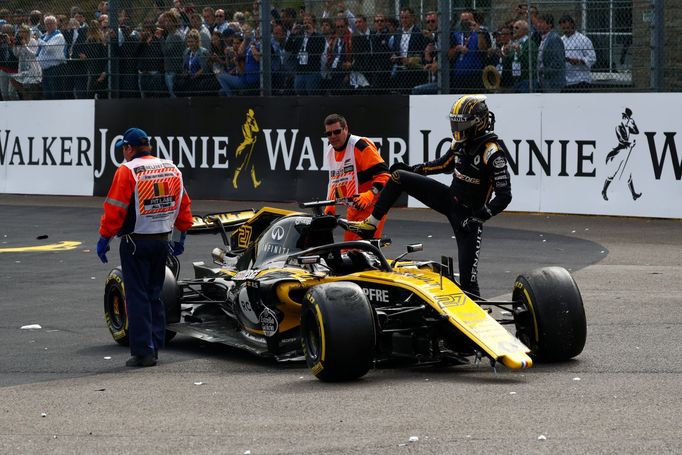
338	332
550	317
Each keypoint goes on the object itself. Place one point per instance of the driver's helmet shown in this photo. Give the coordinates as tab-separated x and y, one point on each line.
470	118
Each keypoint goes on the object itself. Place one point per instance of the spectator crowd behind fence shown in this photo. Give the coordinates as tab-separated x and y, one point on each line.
64	51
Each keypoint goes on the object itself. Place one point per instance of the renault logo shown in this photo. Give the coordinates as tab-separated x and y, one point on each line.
277	233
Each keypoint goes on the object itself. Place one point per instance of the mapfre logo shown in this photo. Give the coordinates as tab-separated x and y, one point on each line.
376	295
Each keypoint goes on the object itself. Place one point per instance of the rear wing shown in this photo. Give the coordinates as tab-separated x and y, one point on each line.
220	222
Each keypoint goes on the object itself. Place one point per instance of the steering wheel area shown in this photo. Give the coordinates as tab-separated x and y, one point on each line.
348	257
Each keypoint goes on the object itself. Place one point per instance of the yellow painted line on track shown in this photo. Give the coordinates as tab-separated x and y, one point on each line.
61	246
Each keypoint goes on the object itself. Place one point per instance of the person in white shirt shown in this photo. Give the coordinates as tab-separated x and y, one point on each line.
51	57
580	56
27	80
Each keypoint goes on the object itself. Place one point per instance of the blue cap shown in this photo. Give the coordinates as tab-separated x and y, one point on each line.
133	136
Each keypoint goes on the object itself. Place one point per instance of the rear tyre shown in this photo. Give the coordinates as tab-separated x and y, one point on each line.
550	319
115	307
338	332
173	264
170	295
115	313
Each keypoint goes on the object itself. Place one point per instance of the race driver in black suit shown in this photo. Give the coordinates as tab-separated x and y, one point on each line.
479	166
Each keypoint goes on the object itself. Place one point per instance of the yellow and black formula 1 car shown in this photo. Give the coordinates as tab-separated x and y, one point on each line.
282	287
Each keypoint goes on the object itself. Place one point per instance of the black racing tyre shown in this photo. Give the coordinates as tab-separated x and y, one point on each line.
115	314
115	308
337	331
170	295
550	318
173	263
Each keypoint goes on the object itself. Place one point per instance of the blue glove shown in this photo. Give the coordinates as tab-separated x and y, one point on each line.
179	247
102	248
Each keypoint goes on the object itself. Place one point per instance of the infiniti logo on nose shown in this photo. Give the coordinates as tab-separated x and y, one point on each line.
277	233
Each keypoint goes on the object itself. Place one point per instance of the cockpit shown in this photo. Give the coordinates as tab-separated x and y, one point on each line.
290	235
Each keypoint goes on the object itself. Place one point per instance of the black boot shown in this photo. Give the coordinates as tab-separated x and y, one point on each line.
635	195
607	182
141	361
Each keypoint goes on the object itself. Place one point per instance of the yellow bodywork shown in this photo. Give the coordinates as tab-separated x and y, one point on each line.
227	218
439	292
446	298
472	320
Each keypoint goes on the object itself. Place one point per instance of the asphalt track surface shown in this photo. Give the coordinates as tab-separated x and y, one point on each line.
64	388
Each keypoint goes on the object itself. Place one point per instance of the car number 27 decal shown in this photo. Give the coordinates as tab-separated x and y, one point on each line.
244	236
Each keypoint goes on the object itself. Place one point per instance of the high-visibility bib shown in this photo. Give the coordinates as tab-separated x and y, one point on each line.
158	192
343	175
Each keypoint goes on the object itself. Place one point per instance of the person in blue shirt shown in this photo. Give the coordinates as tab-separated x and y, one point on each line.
247	75
468	47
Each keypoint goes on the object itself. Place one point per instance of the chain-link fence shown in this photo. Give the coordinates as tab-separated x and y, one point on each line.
124	48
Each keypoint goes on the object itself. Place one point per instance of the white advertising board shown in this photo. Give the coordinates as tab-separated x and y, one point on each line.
46	147
559	144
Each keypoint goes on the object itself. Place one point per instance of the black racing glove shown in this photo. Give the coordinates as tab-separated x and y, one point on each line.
400	166
471	224
474	222
483	213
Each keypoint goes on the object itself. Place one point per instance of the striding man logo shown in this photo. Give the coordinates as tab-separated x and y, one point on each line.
618	158
250	130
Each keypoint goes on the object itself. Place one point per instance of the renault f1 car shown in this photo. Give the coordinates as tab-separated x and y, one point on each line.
280	286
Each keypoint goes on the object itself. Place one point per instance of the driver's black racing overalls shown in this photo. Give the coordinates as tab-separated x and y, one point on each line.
479	168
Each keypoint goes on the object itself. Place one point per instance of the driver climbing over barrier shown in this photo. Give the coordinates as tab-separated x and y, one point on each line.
479	167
